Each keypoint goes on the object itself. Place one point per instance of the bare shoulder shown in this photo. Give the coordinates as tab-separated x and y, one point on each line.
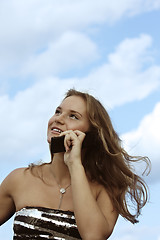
15	174
7	191
13	179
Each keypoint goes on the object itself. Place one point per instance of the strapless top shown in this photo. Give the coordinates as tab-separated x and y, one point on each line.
42	223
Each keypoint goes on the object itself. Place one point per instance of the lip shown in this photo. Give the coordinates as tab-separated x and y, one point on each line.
54	130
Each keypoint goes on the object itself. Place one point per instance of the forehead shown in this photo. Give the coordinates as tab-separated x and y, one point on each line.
75	103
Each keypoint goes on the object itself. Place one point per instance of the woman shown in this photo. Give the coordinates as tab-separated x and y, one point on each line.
81	192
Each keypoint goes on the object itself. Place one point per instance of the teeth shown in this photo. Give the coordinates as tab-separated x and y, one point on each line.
56	130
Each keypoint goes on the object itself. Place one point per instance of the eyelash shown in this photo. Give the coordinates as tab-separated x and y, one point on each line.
75	117
71	115
57	111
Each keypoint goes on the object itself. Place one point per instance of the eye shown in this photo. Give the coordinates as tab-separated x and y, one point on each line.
73	116
57	112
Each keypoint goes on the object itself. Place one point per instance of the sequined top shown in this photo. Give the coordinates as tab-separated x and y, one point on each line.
44	223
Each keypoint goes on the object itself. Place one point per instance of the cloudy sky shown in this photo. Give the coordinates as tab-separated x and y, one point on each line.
110	49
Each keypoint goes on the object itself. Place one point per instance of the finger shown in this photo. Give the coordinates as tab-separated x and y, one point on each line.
80	135
65	132
68	140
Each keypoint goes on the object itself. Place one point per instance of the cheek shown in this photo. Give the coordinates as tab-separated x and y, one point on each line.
49	123
51	120
84	127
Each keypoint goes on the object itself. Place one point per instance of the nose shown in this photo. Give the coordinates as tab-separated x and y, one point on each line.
59	119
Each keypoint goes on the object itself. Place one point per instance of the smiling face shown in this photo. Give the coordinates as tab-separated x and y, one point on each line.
70	115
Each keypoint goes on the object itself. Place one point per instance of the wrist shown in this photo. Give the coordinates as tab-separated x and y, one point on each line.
74	167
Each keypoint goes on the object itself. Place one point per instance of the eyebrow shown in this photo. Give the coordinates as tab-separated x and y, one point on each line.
72	111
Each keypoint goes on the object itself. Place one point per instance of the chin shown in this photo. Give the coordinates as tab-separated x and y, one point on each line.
49	139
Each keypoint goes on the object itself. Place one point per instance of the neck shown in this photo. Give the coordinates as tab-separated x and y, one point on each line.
61	175
59	170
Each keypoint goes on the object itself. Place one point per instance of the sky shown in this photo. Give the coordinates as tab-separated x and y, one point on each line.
110	49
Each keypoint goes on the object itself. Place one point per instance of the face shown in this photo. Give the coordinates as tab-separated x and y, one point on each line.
70	115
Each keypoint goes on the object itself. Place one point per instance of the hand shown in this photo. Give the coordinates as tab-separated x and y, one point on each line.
73	144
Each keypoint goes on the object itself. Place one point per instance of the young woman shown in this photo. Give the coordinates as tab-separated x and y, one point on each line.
81	192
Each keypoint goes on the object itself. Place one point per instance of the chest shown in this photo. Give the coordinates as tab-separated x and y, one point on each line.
35	192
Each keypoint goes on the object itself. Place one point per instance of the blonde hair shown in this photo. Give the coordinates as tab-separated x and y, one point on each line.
110	165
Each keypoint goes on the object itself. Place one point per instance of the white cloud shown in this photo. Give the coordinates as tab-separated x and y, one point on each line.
34	25
136	7
59	16
71	51
35	34
24	118
145	140
129	73
125	77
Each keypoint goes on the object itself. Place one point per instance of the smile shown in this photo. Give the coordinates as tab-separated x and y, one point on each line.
56	130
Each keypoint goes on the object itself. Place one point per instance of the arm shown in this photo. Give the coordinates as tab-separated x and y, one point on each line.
7	206
95	217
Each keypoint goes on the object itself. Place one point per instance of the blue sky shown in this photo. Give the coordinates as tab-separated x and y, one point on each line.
110	49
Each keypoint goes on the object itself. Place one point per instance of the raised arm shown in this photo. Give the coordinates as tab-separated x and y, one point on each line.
7	206
95	217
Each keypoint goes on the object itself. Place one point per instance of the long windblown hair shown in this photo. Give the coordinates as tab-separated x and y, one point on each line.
110	165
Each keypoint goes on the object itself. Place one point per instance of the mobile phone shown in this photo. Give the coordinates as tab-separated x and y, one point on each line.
57	143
